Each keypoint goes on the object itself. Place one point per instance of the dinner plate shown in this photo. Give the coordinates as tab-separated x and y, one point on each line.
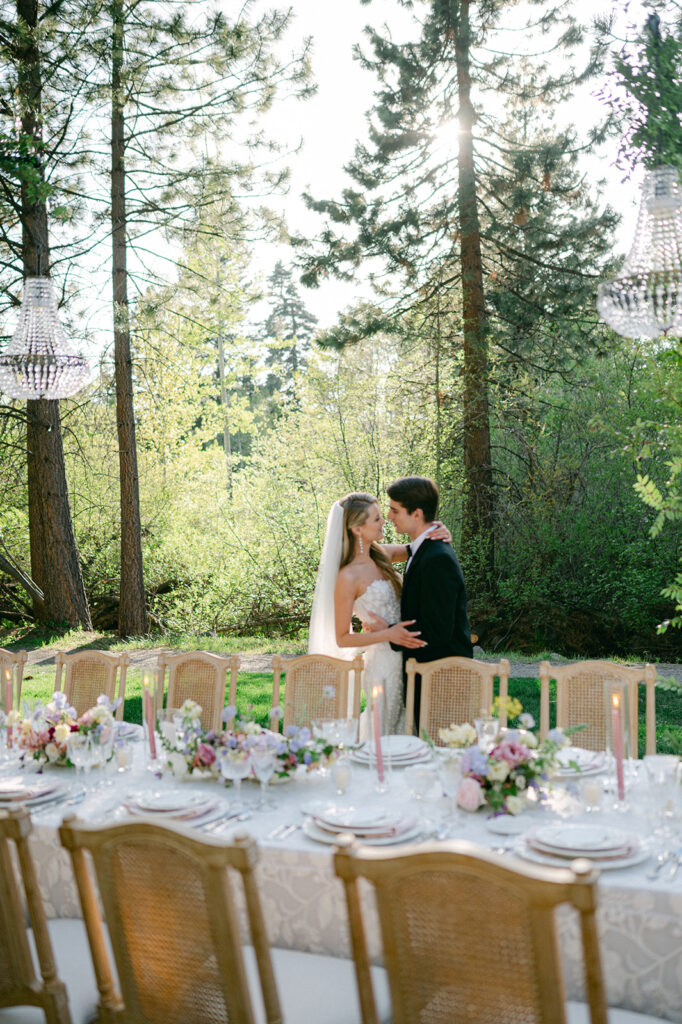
129	731
396	828
587	762
604	864
311	830
581	840
172	805
17	790
397	746
351	817
506	825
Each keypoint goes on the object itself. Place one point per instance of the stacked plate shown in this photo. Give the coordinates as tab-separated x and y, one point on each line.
128	731
574	762
194	808
32	792
401	750
606	847
373	826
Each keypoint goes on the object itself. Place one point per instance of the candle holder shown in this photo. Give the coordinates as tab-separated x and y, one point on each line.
378	745
618	753
152	702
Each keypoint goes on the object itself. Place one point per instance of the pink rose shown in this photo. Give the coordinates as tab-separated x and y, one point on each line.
470	795
205	755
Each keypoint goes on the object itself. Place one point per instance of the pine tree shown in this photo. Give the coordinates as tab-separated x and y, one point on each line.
468	224
291	324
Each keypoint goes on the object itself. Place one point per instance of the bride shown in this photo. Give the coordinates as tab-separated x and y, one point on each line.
356	578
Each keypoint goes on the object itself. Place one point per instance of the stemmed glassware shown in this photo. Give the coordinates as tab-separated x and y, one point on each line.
79	748
487	729
263	762
449	769
235	765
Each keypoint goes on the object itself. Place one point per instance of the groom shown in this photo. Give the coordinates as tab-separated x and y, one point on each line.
434	594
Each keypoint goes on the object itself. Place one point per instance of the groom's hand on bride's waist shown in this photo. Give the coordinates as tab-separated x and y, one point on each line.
399	634
374	623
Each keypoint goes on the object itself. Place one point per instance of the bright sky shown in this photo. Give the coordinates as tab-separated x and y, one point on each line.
334	119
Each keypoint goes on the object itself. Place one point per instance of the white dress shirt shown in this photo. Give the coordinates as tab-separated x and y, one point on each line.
414	544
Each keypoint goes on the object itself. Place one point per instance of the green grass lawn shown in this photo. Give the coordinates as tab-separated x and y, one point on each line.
254	699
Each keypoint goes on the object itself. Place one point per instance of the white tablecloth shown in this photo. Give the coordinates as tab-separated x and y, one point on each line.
640	921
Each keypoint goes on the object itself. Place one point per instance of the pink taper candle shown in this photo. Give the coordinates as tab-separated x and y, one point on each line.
618	744
150	717
377	692
8	703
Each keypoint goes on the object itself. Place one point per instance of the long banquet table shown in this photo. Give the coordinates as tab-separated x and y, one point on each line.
640	920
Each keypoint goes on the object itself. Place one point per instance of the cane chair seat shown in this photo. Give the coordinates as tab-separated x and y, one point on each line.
580	700
201	677
316	686
177	937
85	675
469	937
64	990
12	669
453	690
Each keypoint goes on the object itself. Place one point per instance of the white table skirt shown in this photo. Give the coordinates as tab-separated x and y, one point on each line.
640	921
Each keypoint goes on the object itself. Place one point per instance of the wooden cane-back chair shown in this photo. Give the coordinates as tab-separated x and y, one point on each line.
580	700
316	686
19	982
201	677
468	938
173	923
88	674
453	690
12	669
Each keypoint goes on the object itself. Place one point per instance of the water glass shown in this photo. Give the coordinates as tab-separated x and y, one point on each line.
79	750
263	762
235	765
487	730
591	793
663	777
341	773
123	753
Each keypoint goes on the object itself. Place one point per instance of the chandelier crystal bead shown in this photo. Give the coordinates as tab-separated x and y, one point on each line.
643	301
39	362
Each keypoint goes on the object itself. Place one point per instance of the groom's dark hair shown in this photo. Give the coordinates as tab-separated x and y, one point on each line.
415	492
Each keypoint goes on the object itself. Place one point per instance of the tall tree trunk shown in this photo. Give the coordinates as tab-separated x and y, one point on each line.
132	615
55	566
477	516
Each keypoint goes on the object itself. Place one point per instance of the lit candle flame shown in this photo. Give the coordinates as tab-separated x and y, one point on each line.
377	691
7	674
615	700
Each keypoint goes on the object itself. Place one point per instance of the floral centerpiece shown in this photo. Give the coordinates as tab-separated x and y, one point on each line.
193	749
517	763
44	734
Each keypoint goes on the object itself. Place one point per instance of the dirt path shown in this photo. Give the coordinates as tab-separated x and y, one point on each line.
263	662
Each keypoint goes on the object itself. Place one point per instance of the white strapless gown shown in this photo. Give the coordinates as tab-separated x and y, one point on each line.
383	665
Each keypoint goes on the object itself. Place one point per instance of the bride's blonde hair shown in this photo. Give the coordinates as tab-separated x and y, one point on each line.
356	508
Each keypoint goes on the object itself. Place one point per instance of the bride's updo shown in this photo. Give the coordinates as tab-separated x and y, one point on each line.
356	508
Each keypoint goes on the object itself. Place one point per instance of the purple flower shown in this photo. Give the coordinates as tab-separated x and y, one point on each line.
276	712
557	736
307	757
527	720
228	713
291	730
329	692
304	734
474	762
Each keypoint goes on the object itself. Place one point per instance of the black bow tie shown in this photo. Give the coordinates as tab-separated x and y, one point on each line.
409	550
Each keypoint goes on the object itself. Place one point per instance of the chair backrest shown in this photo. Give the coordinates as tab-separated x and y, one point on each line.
468	937
316	686
87	674
19	984
12	669
173	923
201	677
580	700
452	690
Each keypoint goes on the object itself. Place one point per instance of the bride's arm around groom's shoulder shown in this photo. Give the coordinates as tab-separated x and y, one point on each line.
399	552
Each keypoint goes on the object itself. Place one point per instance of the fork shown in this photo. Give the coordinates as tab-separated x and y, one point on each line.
677	862
661	860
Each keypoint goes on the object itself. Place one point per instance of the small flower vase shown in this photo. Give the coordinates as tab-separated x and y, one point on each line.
152	703
617	722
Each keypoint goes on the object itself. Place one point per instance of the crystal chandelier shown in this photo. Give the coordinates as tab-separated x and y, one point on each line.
643	301
39	362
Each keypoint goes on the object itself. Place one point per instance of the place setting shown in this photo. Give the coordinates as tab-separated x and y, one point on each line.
397	750
373	826
607	847
193	809
576	762
35	792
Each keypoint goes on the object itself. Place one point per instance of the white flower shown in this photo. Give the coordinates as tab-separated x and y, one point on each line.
190	709
53	752
515	804
252	728
178	765
101	715
530	739
497	770
520	781
458	735
62	732
13	717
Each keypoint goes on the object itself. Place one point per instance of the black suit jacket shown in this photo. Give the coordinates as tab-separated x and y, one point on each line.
434	595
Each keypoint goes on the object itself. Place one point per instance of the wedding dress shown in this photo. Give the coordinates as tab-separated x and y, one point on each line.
383	665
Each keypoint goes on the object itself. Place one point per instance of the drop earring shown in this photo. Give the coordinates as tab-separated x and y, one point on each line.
362	546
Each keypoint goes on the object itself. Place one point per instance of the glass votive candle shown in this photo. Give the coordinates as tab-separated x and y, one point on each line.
124	755
591	793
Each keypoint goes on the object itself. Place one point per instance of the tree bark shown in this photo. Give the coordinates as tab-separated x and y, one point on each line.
477	512
55	565
132	617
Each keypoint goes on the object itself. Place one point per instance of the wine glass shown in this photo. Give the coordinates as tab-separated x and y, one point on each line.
263	761
235	765
419	779
341	772
78	747
449	770
487	729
